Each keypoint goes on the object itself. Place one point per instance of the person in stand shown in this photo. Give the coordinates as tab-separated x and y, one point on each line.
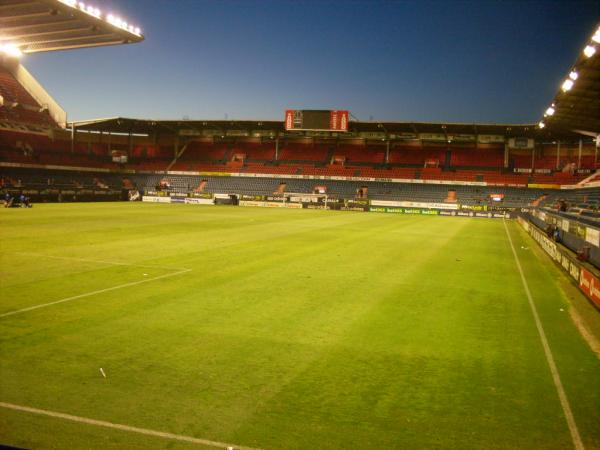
8	200
556	235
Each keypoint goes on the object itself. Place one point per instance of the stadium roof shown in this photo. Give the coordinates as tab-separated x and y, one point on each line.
30	26
188	127
576	106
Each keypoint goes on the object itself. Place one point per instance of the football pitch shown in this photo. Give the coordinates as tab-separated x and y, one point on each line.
286	329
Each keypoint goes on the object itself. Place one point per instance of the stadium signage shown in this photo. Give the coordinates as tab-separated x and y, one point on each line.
156	199
490	139
462	137
406	204
587	281
592	235
432	137
317	120
589	234
473	207
188	132
270	204
429	212
199	201
257	198
521	142
590	285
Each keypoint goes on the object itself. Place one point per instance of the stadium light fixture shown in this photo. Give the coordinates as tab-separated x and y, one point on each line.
541	124
567	85
596	36
11	50
550	111
589	51
573	75
97	13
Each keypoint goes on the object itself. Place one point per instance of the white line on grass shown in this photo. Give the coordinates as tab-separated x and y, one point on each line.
89	294
564	402
113	263
117	426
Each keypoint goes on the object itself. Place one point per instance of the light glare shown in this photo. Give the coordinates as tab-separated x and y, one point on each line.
550	111
11	50
573	75
589	51
567	85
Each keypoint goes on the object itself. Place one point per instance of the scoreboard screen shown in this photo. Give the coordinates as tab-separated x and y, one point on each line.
316	120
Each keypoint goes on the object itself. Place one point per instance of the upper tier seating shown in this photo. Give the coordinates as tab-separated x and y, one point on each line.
304	152
361	154
19	106
474	157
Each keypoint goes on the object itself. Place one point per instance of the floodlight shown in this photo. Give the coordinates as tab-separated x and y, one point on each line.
550	111
567	85
589	51
596	36
541	124
573	75
11	50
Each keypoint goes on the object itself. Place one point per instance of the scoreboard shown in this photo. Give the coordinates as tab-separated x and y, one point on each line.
316	120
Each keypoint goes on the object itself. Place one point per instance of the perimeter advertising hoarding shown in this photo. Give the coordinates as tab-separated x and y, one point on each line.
156	199
406	204
587	281
590	285
394	210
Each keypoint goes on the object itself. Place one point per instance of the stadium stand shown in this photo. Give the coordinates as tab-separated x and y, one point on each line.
29	137
18	105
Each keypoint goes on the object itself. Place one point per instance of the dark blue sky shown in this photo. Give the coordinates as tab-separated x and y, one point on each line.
463	61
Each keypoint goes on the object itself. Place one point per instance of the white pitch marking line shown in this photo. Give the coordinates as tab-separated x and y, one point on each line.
114	263
117	426
564	401
99	291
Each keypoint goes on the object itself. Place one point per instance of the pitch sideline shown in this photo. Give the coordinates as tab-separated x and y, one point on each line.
117	426
97	261
564	401
89	294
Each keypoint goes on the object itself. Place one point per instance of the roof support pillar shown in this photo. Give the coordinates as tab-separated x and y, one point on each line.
277	148
579	155
506	155
596	152
557	155
72	138
387	151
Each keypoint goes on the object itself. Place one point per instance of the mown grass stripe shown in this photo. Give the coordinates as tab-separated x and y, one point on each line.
118	426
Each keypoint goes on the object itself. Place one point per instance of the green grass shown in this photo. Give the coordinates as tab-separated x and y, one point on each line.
294	330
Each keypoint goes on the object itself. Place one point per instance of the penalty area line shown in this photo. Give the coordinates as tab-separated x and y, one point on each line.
564	401
97	261
89	294
117	426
